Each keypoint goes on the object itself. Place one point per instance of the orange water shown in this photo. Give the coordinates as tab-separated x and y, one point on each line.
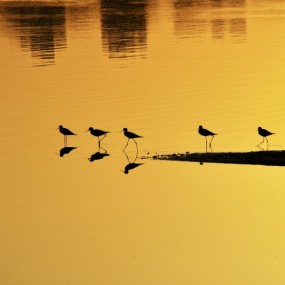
161	69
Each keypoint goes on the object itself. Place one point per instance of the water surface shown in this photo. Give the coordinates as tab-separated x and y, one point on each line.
161	69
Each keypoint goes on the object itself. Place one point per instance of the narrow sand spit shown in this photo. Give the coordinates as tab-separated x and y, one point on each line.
276	158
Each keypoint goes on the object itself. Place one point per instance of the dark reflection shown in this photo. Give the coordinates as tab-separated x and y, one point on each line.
65	150
39	26
124	27
98	155
227	3
193	18
131	164
218	28
238	27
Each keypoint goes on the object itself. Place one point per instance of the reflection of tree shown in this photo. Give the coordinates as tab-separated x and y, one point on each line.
238	27
124	25
218	28
196	17
39	26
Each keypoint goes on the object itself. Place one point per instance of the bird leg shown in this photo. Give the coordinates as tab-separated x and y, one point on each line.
102	138
127	144
136	143
136	155
102	149
210	144
266	139
267	143
261	142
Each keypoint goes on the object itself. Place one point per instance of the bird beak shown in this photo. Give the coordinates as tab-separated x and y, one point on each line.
86	131
57	128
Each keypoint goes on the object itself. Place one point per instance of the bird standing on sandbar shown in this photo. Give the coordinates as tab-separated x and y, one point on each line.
206	133
66	132
131	136
97	133
264	133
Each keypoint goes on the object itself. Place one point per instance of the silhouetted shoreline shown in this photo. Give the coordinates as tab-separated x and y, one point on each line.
273	158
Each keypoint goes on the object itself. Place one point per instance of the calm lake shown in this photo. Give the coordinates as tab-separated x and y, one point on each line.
160	68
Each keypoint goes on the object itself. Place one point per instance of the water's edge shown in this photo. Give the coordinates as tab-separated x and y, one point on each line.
273	158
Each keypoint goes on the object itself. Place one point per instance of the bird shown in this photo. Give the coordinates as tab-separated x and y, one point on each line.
131	136
264	133
205	133
66	132
97	133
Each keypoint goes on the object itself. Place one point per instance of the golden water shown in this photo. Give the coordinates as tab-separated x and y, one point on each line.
161	69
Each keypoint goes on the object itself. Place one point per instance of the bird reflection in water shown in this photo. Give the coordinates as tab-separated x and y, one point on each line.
65	150
131	164
98	155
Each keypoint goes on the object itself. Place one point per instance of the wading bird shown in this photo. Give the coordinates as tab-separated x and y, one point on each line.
131	136
264	133
206	133
97	133
66	132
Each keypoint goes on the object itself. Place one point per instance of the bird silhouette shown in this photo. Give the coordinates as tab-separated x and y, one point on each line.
206	133
131	136
97	156
264	133
65	150
66	132
131	166
97	133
